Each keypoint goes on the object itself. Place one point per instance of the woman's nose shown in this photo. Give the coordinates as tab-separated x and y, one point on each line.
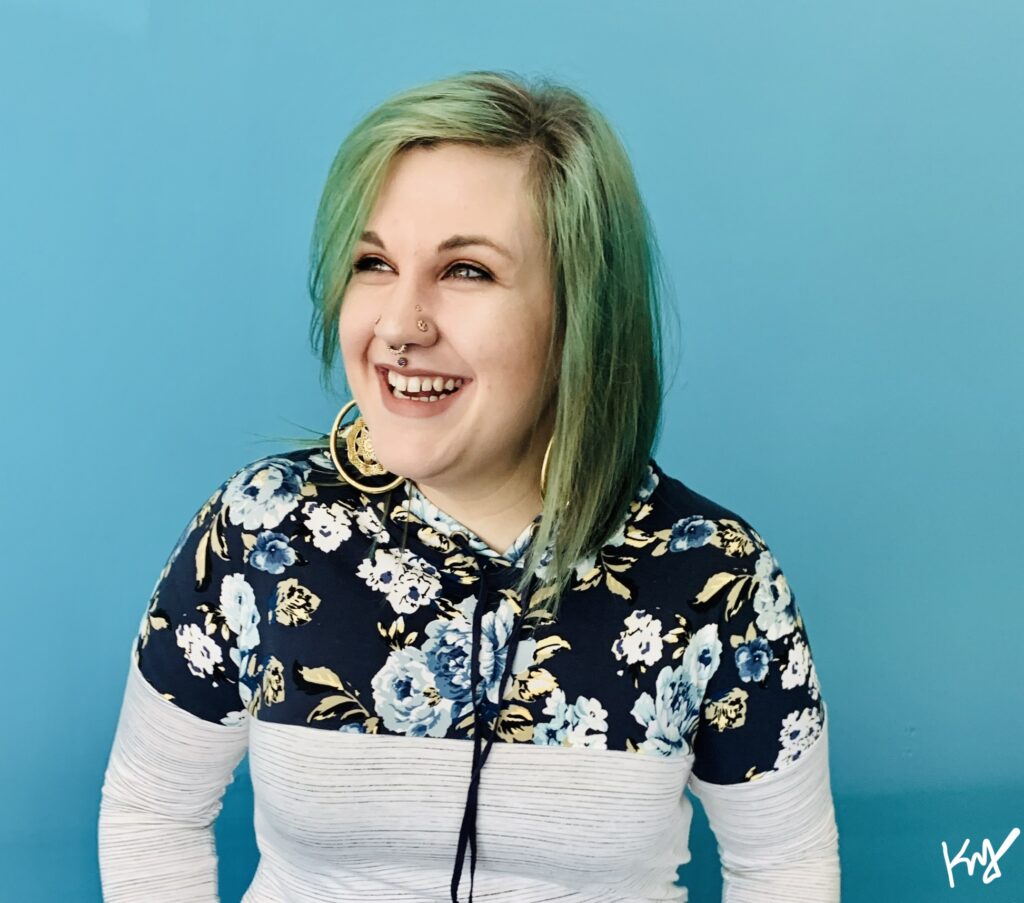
405	319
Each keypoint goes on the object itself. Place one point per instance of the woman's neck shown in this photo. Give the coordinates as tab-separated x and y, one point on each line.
497	515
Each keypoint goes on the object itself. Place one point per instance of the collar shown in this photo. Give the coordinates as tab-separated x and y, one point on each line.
417	504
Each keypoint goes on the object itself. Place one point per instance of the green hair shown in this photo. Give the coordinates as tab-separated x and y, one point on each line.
606	346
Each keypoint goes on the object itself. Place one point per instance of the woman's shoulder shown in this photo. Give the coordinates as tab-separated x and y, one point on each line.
263	492
691	512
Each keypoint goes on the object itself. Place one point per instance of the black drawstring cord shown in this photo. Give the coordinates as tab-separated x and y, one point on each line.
467	833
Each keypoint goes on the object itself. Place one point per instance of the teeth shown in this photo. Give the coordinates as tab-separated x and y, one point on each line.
404	386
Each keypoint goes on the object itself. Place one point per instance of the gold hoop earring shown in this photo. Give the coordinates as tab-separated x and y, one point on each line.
359	451
544	470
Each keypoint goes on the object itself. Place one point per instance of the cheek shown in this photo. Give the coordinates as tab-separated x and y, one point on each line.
354	332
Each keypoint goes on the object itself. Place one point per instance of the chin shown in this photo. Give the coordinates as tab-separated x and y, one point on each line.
401	453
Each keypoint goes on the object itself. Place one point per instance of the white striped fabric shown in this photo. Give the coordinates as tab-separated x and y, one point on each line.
351	817
167	773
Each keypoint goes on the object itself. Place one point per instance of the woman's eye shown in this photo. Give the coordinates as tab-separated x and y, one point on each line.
465	271
369	264
468	271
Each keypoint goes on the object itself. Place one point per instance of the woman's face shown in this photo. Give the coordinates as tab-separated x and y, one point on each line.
453	245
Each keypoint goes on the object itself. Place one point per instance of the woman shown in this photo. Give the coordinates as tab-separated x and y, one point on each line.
476	640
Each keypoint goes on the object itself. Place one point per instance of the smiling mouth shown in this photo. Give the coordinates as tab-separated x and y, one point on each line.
427	388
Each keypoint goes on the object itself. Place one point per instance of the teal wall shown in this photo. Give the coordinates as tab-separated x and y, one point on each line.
838	190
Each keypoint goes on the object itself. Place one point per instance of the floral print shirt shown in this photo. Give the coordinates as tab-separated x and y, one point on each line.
295	599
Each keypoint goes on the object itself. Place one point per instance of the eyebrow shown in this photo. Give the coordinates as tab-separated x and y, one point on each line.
456	241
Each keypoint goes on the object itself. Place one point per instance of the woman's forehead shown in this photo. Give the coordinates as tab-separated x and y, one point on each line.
439	193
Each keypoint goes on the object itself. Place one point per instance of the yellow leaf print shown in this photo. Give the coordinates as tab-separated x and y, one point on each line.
462	566
737	640
273	681
202	553
617	586
532	685
323	677
436	540
218	543
729	711
714	585
331	707
548	647
295	604
515	725
731	538
739	587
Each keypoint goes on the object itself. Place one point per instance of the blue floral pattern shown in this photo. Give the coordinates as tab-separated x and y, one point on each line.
292	597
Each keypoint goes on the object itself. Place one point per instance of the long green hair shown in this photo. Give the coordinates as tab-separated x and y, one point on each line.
606	346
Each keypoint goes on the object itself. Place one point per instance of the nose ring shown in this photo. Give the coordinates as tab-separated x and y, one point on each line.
400	350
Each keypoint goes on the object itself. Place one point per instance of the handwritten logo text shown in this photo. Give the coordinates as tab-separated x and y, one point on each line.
988	857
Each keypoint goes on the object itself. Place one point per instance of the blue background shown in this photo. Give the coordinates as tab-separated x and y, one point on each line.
838	192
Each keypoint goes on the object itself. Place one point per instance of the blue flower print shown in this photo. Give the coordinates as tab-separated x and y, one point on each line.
569	724
238	608
647	485
773	599
496	628
406	696
409	581
272	553
752	659
691	533
261	494
448	650
670	717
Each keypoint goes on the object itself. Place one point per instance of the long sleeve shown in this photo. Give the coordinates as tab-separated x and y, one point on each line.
761	764
777	837
183	727
167	774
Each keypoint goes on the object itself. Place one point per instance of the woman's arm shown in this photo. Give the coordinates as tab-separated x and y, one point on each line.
167	773
183	727
761	767
777	836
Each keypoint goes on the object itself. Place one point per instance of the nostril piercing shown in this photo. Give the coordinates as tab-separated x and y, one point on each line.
421	325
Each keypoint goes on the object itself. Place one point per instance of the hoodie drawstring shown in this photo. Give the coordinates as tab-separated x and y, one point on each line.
481	749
